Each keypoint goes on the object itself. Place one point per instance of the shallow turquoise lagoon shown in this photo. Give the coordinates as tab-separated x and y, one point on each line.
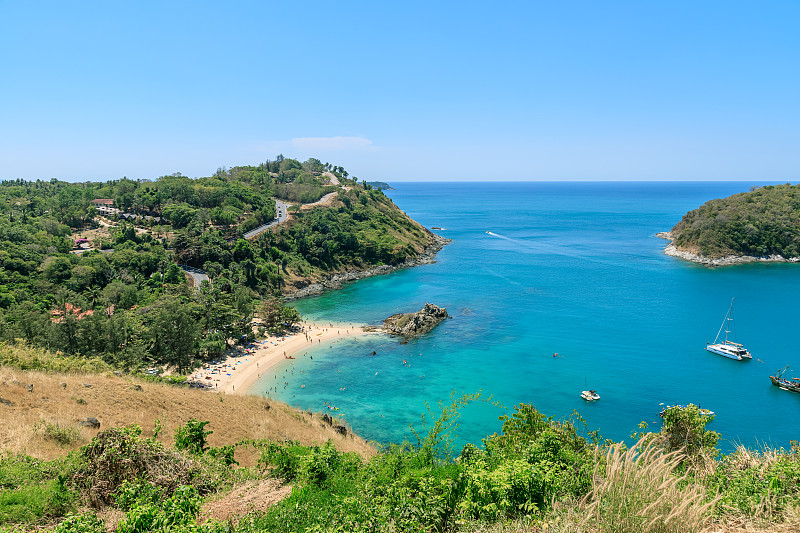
567	268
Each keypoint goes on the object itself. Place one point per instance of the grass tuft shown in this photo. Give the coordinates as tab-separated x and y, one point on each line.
640	493
60	434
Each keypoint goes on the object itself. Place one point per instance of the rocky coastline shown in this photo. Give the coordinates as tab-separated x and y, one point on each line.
726	260
336	281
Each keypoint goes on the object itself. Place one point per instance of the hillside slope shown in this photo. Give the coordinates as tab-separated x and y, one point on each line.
45	423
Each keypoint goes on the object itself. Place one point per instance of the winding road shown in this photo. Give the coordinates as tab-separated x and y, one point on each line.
281	215
197	275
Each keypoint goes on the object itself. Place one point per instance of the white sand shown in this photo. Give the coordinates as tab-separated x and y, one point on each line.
237	373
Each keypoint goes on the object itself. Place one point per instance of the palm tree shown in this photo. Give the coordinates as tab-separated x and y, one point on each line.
92	294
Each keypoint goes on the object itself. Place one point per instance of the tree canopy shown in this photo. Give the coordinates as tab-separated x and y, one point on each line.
764	221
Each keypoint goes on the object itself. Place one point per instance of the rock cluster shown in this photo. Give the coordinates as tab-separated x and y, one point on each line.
409	325
727	260
91	422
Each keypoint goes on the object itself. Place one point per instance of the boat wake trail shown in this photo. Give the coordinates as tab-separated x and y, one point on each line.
538	247
545	248
504	278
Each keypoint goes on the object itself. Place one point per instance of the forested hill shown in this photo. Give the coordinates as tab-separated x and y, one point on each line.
762	222
93	268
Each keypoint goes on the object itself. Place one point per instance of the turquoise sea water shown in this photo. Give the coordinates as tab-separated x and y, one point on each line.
572	268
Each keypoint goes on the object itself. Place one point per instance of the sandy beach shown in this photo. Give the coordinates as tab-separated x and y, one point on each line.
236	373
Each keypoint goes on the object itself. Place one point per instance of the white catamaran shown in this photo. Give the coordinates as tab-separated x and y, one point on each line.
728	348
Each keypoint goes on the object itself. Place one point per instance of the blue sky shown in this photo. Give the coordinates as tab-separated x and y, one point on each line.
536	90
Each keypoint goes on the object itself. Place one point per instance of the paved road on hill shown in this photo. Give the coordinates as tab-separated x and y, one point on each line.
322	200
281	215
197	275
332	178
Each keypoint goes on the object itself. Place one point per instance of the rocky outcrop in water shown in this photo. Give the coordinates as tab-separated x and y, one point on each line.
409	325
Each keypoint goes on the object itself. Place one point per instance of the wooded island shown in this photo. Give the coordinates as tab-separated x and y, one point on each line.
762	224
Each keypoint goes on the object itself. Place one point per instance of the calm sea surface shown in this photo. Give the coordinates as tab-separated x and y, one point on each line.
567	268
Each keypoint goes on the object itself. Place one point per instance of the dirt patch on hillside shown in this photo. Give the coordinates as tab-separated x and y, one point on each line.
248	497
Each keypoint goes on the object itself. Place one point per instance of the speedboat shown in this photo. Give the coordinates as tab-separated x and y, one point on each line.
590	395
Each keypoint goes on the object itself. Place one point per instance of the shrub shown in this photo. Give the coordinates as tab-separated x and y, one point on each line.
685	428
118	455
284	460
437	432
177	513
224	454
83	523
27	357
506	490
757	484
57	433
33	503
192	437
534	460
32	490
176	379
133	493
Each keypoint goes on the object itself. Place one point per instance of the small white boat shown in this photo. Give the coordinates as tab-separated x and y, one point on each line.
701	411
590	395
727	348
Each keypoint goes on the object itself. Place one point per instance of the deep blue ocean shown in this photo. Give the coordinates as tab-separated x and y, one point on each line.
570	268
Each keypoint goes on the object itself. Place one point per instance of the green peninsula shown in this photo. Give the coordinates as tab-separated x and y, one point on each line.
142	272
760	225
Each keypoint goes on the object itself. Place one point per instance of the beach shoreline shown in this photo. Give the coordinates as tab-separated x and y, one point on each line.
242	368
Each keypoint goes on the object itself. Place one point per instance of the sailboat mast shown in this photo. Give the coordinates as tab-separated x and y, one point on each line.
728	323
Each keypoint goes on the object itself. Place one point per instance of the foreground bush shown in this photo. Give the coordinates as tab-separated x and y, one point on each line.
118	455
757	484
537	474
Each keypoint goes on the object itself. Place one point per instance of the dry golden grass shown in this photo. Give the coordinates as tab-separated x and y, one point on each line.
743	458
251	495
639	493
568	521
115	402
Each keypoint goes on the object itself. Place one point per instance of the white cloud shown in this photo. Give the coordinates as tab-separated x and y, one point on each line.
332	143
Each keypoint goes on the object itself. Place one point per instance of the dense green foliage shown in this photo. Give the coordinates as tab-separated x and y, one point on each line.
127	302
192	437
685	429
762	222
525	473
753	483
